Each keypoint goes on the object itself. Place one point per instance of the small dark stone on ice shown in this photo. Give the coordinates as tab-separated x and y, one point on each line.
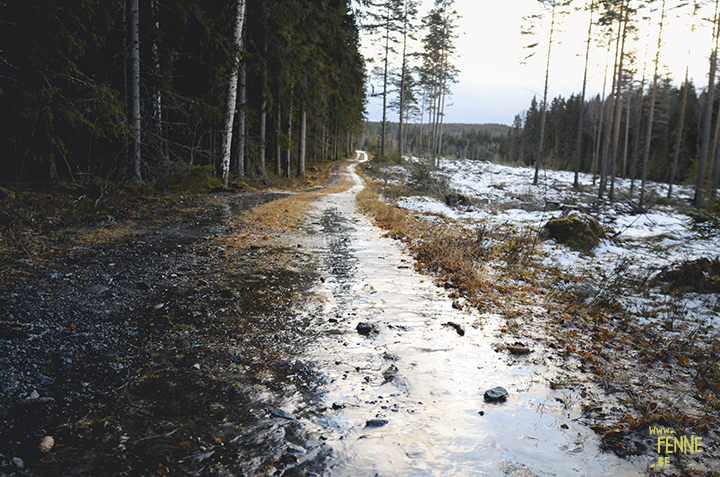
457	327
282	414
376	422
365	328
497	394
338	405
482	413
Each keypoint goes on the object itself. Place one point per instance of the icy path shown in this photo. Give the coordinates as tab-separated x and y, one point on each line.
423	378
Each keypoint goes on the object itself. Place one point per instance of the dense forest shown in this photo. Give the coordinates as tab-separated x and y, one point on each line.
136	89
471	141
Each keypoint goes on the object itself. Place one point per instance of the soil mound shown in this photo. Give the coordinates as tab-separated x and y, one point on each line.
701	275
579	231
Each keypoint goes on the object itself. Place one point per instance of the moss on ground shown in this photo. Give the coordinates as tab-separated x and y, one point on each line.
195	180
578	231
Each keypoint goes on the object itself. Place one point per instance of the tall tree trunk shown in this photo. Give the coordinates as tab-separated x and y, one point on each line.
432	119
715	175
403	71
539	160
627	130
263	119
288	156
407	121
126	99
648	138
442	117
678	140
422	117
601	118
385	81
278	130
618	101
301	150
712	151
699	189
578	142
231	97
157	92
435	112
136	176
638	118
336	145
324	143
240	159
604	163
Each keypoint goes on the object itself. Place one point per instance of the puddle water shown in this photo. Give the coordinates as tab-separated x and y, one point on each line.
210	220
407	398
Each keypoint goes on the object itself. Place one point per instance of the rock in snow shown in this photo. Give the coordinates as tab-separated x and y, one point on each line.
497	394
365	328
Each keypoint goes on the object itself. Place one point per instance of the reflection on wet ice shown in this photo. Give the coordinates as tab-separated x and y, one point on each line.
422	379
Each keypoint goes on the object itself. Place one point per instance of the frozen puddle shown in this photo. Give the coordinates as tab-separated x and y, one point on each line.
408	400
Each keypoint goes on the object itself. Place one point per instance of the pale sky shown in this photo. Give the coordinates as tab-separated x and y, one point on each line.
493	87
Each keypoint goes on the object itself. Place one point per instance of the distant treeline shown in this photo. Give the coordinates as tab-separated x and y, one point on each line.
471	141
559	148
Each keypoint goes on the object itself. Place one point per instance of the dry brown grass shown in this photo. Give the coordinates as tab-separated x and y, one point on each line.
452	253
279	216
114	233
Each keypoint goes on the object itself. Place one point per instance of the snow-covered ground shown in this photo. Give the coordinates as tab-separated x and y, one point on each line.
639	244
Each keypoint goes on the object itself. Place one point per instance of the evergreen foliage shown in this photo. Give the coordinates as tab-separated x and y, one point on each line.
470	141
561	130
64	92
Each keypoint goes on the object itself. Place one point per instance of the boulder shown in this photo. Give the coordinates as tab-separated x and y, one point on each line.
365	328
454	198
578	231
376	422
497	394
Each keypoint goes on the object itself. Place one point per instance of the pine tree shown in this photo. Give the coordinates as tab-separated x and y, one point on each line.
555	9
438	72
648	136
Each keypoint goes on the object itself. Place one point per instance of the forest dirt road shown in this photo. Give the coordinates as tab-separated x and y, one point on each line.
223	344
405	368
